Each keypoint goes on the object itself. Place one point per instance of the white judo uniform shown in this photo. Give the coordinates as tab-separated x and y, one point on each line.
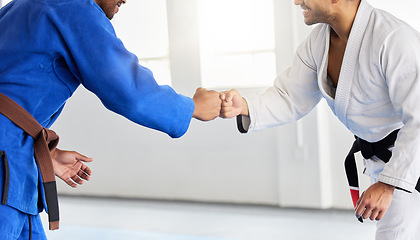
378	91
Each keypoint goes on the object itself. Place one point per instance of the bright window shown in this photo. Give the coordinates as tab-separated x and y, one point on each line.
142	27
237	44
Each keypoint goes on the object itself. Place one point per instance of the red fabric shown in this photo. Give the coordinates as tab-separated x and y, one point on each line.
354	196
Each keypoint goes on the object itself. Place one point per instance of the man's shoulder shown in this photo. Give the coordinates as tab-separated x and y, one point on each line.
64	5
318	35
61	2
383	21
68	12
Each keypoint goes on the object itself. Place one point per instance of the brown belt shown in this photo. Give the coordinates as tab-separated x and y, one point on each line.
45	140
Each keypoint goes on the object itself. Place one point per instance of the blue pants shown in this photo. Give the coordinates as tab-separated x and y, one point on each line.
16	225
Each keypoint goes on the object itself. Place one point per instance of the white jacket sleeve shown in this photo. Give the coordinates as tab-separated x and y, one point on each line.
294	94
401	66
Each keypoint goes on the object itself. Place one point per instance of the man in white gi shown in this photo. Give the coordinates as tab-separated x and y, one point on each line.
366	64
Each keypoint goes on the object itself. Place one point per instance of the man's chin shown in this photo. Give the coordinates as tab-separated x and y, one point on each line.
309	22
110	16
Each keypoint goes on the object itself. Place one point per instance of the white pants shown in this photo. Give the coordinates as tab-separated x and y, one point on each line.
402	219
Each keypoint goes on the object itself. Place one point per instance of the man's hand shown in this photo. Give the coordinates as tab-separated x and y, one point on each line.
69	166
232	104
207	104
375	201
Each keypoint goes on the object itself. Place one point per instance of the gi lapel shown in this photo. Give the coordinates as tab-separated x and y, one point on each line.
323	71
350	60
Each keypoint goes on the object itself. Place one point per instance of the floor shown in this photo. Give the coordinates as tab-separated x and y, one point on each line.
106	219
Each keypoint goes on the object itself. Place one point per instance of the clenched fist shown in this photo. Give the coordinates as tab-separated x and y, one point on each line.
207	104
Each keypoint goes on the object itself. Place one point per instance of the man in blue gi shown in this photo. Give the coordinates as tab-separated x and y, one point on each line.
47	49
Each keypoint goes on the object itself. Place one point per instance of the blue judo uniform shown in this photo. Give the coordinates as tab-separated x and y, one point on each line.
47	49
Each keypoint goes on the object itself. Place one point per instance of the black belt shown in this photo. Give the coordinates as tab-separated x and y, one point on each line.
368	150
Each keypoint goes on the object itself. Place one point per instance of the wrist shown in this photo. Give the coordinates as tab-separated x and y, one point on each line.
54	153
244	110
387	186
194	115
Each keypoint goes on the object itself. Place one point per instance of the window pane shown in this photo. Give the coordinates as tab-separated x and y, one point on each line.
236	43
142	26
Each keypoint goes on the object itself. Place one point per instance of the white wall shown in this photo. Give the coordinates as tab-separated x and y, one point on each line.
298	165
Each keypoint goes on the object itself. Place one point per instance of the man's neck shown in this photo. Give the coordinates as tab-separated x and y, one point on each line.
344	21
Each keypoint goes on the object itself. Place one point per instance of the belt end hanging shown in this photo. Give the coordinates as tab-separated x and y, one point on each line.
354	191
51	198
54	225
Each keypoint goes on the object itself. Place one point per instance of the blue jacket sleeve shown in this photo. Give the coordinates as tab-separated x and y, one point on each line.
105	67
